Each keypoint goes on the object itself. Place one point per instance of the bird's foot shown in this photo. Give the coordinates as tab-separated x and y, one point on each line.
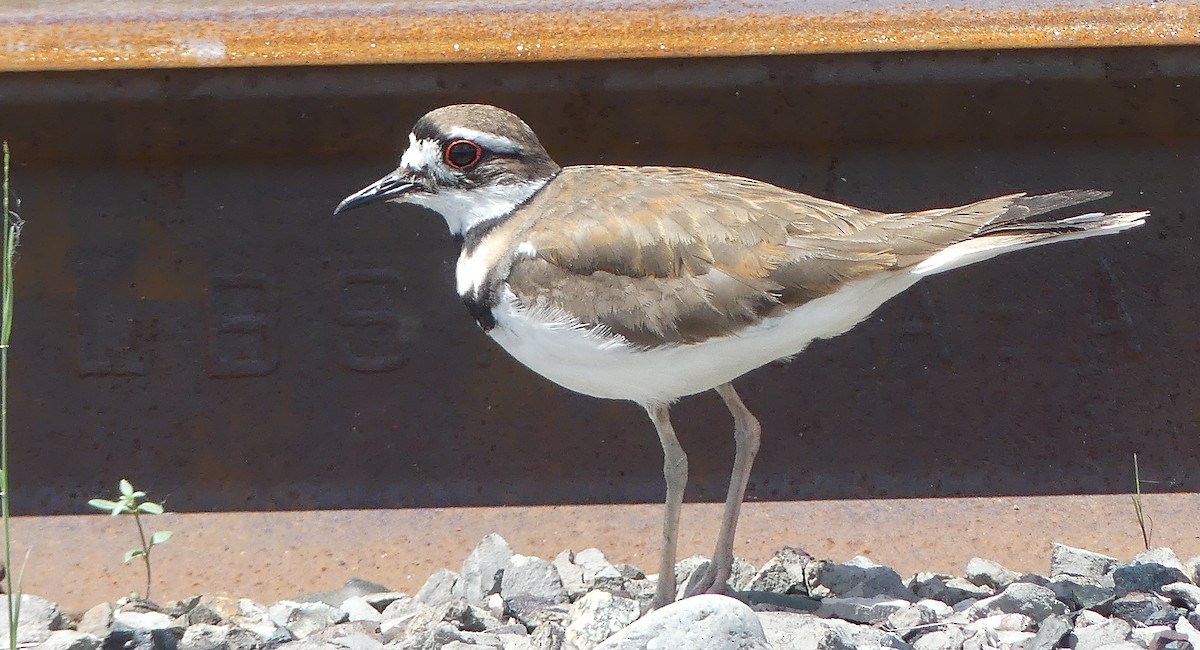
707	582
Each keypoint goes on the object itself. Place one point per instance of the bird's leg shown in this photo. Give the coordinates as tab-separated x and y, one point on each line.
746	435
675	471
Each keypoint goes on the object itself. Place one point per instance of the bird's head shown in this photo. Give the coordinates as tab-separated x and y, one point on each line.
469	162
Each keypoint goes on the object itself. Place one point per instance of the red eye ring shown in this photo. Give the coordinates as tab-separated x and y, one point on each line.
461	154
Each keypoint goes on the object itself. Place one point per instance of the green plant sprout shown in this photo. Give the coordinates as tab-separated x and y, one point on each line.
11	233
133	502
1142	517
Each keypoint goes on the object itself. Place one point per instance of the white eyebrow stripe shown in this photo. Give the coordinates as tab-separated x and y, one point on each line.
489	141
420	154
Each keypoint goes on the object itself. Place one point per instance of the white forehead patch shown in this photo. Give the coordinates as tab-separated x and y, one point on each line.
489	141
421	154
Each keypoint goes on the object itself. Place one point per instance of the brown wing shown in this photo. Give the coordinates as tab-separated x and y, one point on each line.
693	254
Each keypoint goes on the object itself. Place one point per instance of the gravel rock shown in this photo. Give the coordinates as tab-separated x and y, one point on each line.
1081	592
918	618
213	609
97	620
39	617
1071	561
598	572
458	614
1050	633
69	640
875	609
302	619
783	573
381	600
952	638
354	587
1149	571
1032	600
1139	608
1182	593
859	577
570	574
438	588
1095	636
482	570
255	618
142	621
803	632
356	608
706	622
597	616
532	576
525	603
992	574
947	589
205	636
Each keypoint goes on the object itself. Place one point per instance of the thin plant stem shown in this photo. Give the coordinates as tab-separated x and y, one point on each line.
137	517
14	600
1137	505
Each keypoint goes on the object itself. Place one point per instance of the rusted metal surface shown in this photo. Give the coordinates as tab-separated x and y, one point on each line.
75	560
79	34
190	315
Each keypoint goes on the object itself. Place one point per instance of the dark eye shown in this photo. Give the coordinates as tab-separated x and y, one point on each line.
462	154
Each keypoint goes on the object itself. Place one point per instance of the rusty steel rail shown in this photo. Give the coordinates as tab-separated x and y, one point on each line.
81	35
76	560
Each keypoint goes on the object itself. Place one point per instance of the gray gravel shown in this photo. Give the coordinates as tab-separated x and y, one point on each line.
503	600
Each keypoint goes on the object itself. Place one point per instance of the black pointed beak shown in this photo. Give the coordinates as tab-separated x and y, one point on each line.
388	187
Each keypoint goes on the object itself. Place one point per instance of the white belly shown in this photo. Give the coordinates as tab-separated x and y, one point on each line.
582	361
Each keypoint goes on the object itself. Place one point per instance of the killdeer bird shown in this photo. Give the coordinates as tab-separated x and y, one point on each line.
651	283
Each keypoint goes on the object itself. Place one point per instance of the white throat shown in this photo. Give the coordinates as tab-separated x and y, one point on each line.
464	208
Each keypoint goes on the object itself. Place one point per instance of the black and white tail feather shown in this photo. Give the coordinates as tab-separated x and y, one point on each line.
1020	227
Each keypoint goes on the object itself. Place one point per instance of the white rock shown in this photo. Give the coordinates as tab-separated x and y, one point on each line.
570	574
597	616
803	631
356	608
950	638
481	571
69	640
205	636
39	617
990	573
871	610
532	576
1087	617
142	621
1006	623
595	566
438	588
783	573
1067	560
1185	627
303	619
1147	636
705	622
1188	593
255	618
1026	598
1111	631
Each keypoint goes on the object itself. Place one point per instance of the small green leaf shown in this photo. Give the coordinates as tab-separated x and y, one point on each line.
159	537
133	553
104	504
126	487
150	507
